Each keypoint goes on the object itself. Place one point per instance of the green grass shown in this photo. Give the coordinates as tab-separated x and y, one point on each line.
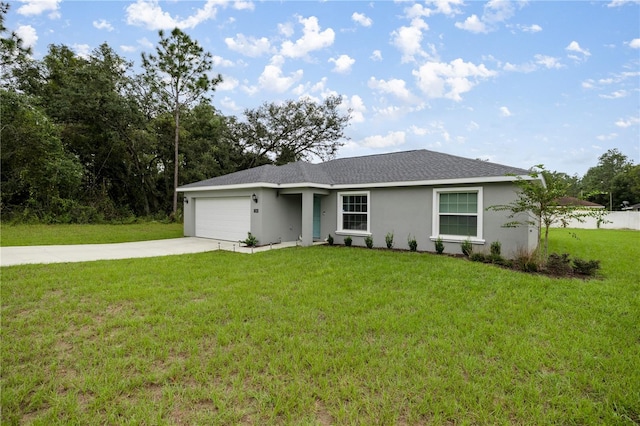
323	335
35	235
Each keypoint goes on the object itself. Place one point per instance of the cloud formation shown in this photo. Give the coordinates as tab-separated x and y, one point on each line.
103	24
28	35
248	46
450	80
150	15
342	63
38	7
312	39
362	19
384	141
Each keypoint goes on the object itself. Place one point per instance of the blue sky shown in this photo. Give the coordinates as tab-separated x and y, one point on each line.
514	82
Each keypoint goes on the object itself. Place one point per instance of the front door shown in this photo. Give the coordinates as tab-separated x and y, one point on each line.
316	217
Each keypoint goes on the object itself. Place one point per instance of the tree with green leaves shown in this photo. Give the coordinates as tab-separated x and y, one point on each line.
598	182
292	131
178	75
12	49
537	204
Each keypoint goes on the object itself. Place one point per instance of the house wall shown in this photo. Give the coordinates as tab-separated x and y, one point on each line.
409	211
279	218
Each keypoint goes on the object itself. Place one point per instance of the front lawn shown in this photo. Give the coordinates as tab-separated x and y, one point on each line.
323	335
42	235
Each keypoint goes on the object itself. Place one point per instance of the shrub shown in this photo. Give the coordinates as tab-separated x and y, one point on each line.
478	257
330	239
251	240
496	248
439	246
585	267
466	247
413	244
389	240
368	241
525	261
348	241
559	264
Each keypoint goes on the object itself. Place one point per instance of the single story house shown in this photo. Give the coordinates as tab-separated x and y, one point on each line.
423	194
578	203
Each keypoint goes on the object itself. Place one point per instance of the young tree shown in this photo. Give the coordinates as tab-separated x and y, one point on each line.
177	73
293	130
537	204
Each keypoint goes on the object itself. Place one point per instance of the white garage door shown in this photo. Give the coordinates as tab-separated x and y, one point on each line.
223	218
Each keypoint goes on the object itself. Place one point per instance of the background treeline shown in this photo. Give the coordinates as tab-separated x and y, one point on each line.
90	140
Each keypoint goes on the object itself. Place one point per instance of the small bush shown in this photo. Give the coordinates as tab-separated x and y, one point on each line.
251	240
496	248
413	244
389	240
330	240
559	264
585	267
368	240
525	261
439	246
466	247
478	257
348	241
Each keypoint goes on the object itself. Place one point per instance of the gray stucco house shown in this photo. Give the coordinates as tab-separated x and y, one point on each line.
420	193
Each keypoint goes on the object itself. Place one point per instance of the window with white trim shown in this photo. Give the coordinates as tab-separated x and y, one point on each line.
457	213
353	212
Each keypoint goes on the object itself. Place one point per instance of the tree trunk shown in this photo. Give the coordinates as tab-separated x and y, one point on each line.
175	162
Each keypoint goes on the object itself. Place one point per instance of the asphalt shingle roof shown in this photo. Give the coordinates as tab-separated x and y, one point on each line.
406	166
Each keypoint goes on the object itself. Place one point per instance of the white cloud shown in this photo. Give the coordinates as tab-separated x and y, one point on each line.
228	84
446	7
312	39
535	28
103	25
574	47
243	5
409	39
498	11
635	43
608	137
248	46
343	64
82	50
631	121
618	3
220	62
357	107
384	141
548	61
37	7
28	35
144	42
472	24
150	15
230	104
361	19
473	126
376	55
615	95
442	80
396	87
272	78
504	112
128	49
286	29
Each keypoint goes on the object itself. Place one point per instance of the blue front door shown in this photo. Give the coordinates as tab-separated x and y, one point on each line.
316	217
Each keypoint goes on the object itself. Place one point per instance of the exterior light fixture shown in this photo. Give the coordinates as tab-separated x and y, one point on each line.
254	197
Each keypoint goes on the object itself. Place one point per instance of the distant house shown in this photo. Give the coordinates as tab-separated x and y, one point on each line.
425	194
578	203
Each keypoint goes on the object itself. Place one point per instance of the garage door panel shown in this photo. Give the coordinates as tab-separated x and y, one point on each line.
223	218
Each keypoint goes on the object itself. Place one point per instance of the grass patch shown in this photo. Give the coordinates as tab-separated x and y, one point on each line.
40	235
321	335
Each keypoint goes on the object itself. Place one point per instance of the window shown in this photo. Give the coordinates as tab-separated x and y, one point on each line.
353	212
457	213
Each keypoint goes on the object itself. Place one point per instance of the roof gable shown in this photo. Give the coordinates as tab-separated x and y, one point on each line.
400	167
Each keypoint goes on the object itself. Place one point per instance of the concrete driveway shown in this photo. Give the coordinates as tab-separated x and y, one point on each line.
10	256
